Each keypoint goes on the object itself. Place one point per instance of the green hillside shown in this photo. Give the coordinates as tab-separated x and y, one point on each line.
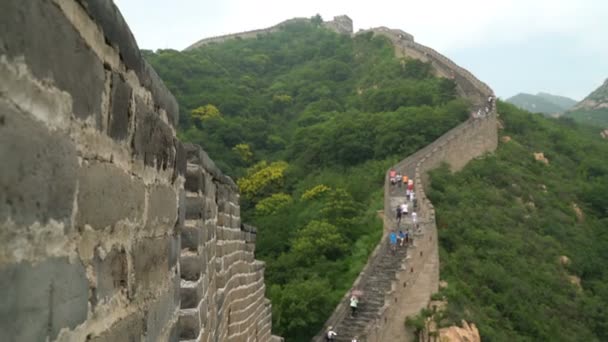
542	103
594	117
307	121
593	110
504	222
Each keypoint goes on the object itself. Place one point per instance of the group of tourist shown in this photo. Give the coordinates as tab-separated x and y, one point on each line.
482	113
402	238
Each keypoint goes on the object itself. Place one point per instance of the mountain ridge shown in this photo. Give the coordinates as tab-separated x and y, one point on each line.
542	102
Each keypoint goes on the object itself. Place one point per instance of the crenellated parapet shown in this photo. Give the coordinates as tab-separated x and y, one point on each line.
110	228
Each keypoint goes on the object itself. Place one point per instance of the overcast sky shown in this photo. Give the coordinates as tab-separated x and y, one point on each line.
555	46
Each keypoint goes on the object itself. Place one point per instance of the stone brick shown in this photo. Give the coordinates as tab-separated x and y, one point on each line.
107	195
128	329
194	207
150	263
180	159
159	315
181	211
191	237
111	272
174	249
53	50
120	115
39	300
162	207
38	178
194	178
153	140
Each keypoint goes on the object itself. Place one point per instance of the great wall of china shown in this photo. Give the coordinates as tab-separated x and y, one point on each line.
114	230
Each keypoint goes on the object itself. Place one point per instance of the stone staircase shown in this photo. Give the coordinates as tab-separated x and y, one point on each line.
379	278
374	292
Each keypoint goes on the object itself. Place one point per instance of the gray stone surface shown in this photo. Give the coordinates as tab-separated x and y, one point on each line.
194	178
129	329
180	159
150	263
194	207
159	314
38	177
111	272
105	13
36	301
120	114
107	195
162	206
53	50
153	141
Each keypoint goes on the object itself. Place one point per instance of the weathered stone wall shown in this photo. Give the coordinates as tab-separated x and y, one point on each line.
222	287
95	190
418	277
341	24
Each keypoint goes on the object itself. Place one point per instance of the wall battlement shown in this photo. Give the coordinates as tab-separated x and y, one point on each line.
418	276
111	229
341	24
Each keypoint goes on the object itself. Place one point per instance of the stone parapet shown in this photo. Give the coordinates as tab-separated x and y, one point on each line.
107	233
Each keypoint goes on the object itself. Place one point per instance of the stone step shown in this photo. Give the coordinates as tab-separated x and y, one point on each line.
188	324
190	265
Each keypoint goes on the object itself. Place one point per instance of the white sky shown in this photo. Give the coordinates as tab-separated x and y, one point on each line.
555	46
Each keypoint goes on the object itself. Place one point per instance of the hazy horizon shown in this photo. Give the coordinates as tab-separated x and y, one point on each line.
516	46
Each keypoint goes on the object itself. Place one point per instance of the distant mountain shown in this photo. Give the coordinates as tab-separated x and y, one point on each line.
593	109
542	103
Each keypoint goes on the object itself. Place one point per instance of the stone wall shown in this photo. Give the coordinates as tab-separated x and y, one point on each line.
419	275
222	287
96	195
341	24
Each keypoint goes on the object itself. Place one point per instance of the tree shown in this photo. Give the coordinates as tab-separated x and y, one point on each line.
318	239
204	113
244	151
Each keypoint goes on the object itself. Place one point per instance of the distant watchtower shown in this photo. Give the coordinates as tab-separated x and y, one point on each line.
341	24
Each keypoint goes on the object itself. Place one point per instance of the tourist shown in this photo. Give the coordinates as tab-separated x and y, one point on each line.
410	185
401	238
393	241
407	237
354	301
331	334
404	179
404	209
398	178
392	174
399	214
411	196
415	219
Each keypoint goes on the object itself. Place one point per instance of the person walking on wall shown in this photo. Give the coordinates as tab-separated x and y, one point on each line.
393	241
404	180
330	336
415	219
398	178
404	209
399	213
392	174
354	301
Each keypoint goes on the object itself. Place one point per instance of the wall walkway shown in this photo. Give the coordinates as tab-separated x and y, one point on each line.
416	277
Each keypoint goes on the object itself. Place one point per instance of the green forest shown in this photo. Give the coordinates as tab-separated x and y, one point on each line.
506	220
307	121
